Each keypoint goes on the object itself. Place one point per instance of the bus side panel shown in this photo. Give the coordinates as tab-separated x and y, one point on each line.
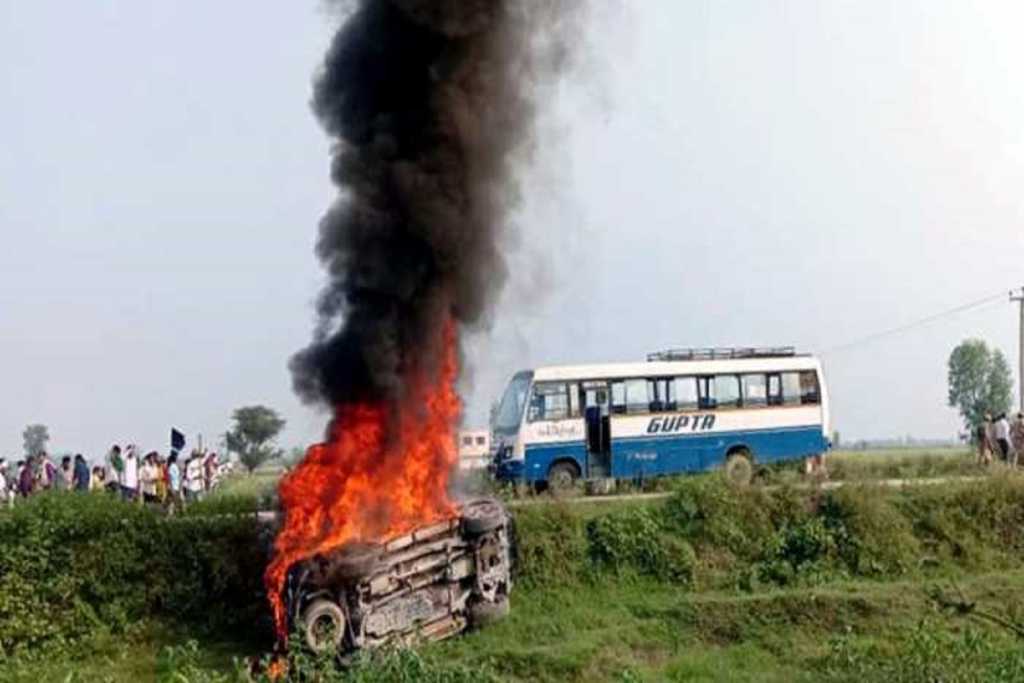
639	457
768	445
787	444
540	457
653	456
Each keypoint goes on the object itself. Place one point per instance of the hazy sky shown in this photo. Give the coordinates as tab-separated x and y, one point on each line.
713	173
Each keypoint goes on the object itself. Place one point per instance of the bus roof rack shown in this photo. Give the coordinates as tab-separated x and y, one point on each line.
723	353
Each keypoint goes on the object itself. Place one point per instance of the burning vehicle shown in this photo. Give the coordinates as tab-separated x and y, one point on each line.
430	105
427	584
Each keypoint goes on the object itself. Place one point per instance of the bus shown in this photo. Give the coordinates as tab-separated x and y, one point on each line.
683	410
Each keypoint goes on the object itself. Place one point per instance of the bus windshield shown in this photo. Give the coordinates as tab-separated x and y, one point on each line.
510	411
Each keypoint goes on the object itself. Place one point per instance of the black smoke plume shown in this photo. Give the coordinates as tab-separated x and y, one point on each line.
432	106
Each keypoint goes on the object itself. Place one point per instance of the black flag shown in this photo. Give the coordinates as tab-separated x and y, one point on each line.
177	440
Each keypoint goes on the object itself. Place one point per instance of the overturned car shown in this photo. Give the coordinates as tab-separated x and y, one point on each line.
431	583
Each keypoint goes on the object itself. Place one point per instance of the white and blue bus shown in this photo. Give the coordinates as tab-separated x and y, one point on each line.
684	410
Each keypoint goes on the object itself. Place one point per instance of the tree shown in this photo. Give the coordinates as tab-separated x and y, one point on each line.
979	382
1000	384
35	438
253	434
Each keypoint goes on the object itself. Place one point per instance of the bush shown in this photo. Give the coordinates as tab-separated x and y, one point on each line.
785	535
226	504
552	545
714	515
635	540
873	537
71	565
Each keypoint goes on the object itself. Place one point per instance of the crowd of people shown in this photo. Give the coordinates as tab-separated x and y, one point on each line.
151	478
999	437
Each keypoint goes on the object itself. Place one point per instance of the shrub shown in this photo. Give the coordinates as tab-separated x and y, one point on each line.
712	514
552	545
635	540
226	504
799	553
74	564
873	537
785	535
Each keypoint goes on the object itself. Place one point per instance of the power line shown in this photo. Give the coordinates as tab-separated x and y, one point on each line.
917	323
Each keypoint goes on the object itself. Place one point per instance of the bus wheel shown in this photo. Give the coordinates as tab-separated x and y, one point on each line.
739	467
562	477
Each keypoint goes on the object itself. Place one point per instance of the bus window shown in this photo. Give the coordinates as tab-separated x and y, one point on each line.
727	391
638	400
629	397
809	393
706	387
550	401
658	389
574	400
755	391
791	388
684	394
775	390
594	394
510	411
618	397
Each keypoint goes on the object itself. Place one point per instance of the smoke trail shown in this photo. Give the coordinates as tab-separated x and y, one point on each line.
432	105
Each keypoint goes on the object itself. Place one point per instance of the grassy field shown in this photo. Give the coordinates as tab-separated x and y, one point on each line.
909	463
646	631
714	584
843	465
260	484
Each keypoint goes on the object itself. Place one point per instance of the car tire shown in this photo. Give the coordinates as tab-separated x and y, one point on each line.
562	478
485	613
323	626
739	467
481	516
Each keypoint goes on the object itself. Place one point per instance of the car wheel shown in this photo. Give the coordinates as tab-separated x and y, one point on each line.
485	613
482	515
739	467
562	478
323	625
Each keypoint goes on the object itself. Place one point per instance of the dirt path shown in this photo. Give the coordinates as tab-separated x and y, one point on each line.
826	486
270	516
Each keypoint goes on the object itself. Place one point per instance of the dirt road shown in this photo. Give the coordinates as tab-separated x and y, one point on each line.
825	486
270	516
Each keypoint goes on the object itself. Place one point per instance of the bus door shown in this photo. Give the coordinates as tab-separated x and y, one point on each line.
595	399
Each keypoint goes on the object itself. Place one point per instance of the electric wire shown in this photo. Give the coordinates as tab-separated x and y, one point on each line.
917	323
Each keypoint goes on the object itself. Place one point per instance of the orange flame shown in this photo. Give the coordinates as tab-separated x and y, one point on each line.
379	475
277	669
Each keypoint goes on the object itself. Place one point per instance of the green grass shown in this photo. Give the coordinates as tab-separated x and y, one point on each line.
902	464
717	584
632	631
260	484
257	490
138	655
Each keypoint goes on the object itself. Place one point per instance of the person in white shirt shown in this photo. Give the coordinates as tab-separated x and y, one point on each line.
194	481
1002	432
174	481
4	492
148	477
130	477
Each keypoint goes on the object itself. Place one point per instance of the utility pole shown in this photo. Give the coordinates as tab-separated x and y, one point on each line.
1019	298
